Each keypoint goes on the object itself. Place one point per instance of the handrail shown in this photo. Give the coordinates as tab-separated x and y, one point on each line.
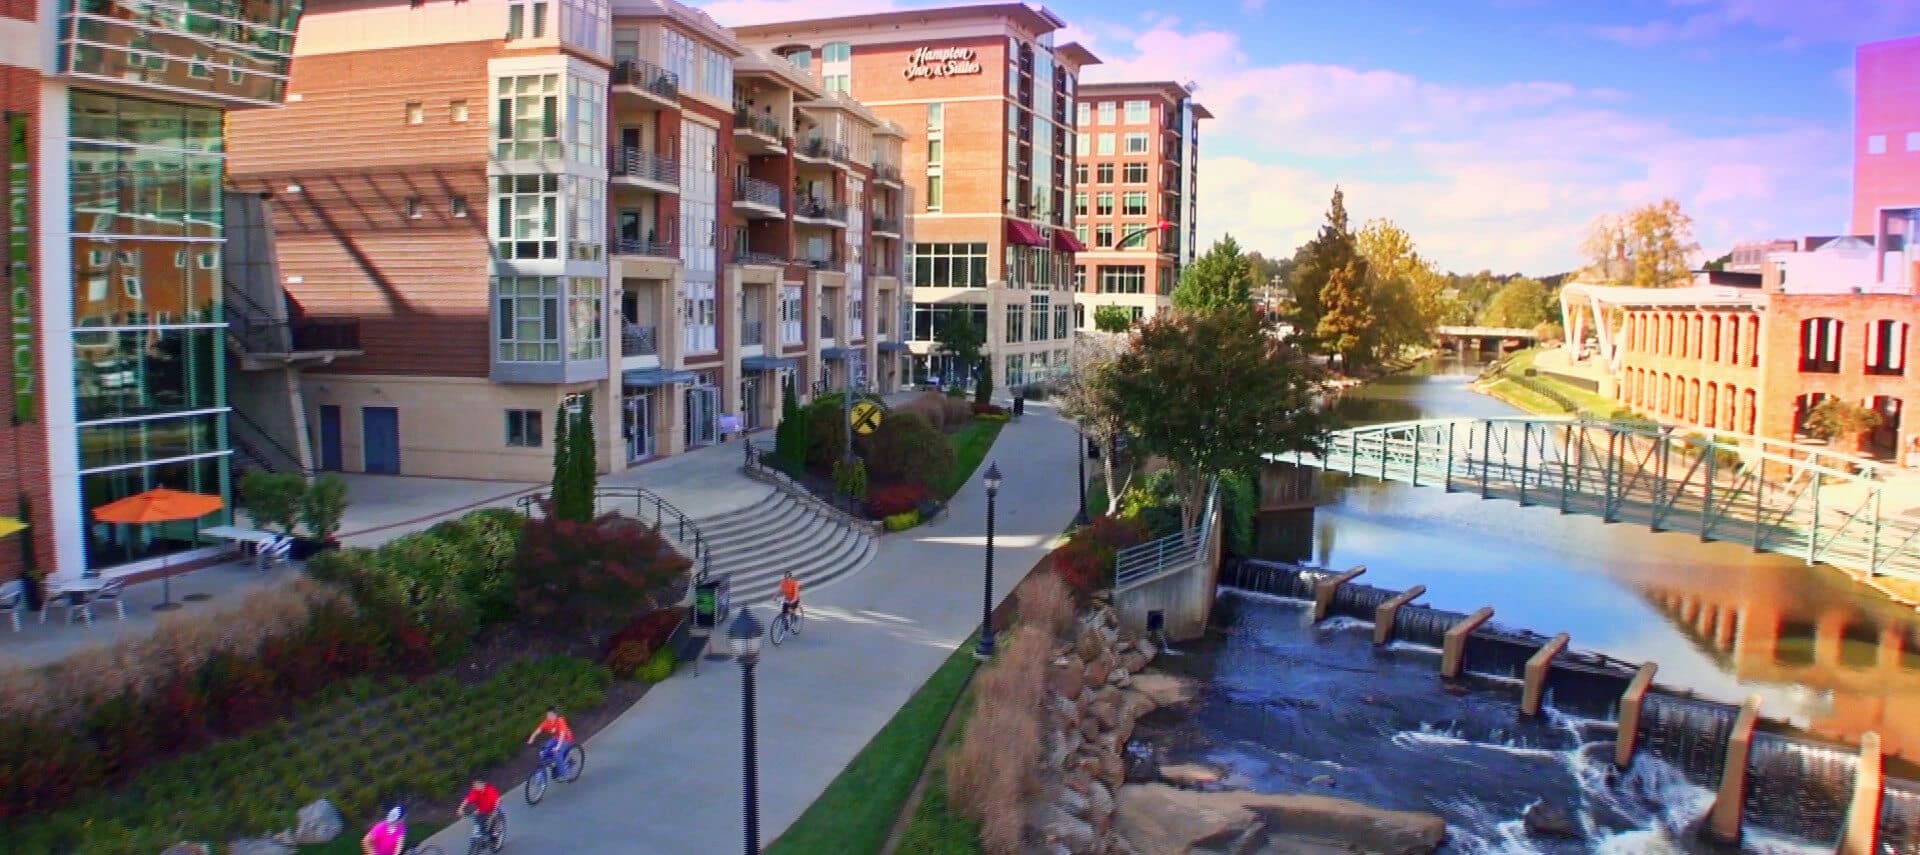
758	192
663	512
1141	562
745	119
641	74
755	466
246	425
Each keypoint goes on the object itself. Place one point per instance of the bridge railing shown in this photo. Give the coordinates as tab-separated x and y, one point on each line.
1143	563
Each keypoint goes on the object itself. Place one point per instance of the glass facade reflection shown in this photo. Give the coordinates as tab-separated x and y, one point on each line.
235	50
148	339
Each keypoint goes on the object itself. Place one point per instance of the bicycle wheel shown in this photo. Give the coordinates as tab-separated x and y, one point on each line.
498	839
778	632
537	786
476	845
575	764
793	622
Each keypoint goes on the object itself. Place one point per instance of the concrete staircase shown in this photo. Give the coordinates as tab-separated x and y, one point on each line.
753	546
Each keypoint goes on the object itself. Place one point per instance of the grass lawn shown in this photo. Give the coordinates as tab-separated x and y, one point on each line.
1591	404
857	811
970	445
934	829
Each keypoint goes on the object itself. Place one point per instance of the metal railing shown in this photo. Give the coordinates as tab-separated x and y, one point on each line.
632	162
253	441
815	209
1137	565
748	256
764	124
810	489
822	263
825	149
651	246
826	326
886	172
258	333
641	74
638	340
758	192
668	520
890	225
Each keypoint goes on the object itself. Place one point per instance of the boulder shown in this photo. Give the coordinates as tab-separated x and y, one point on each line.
258	846
1120	677
1090	728
1058	826
188	848
1106	712
1064	680
1165	689
319	822
1134	661
1096	674
1099	798
1073	801
1190	775
1113	765
1135	703
1547	819
1162	819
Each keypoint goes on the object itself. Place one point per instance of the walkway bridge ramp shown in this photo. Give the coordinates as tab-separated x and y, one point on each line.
1819	507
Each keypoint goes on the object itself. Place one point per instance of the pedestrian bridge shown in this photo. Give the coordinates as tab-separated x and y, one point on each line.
1821	508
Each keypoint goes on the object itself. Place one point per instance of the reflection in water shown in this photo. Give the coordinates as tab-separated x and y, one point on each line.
1720	619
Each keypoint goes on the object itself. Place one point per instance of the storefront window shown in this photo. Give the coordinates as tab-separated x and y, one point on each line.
110	544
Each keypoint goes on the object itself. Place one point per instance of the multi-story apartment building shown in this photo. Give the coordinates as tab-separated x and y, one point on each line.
532	204
1134	201
1886	166
986	100
118	238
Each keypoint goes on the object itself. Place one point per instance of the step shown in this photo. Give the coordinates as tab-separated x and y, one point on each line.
753	529
763	592
718	523
826	559
795	550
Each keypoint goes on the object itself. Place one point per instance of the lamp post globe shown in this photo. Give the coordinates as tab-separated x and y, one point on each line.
985	648
744	634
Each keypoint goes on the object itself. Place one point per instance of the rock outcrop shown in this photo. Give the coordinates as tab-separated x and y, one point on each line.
1160	818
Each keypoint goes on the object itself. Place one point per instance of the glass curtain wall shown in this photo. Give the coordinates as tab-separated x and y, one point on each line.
149	366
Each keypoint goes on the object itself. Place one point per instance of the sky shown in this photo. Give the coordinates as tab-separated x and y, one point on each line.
1493	131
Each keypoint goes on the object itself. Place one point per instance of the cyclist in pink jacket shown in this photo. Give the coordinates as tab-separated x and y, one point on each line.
386	838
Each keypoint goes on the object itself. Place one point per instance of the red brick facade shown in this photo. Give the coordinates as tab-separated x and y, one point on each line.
23	438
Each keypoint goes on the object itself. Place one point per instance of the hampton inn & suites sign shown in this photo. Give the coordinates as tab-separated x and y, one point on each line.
940	62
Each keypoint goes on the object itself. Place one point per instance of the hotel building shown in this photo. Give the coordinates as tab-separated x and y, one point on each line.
986	99
530	205
1134	199
119	244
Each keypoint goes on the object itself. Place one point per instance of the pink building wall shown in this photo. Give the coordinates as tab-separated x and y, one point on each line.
1887	106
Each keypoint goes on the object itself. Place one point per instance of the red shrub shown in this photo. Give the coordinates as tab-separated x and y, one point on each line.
589	572
651	630
1115	532
883	502
1085	563
240	691
989	410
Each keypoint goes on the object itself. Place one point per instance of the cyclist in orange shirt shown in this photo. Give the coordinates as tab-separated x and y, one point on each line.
555	726
789	593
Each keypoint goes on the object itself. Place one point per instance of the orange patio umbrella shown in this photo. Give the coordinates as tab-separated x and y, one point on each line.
160	505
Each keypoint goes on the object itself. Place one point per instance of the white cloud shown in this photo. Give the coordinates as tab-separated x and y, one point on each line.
1796	22
1252	7
1503	176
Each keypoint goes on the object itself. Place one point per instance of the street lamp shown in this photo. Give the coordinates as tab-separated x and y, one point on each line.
985	650
1080	463
744	634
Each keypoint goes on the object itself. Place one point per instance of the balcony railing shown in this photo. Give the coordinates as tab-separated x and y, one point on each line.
822	263
650	245
310	334
631	162
758	192
826	326
819	147
638	340
644	75
886	172
764	124
747	256
815	209
753	332
886	224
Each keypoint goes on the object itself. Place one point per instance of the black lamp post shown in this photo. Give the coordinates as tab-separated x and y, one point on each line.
1080	463
744	633
985	649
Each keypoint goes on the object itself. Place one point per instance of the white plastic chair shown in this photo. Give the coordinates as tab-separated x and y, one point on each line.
275	551
72	602
13	599
108	593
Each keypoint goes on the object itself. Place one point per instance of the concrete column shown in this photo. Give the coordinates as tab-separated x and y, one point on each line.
1729	807
1828	638
1723	634
1324	590
1453	653
1861	834
1892	643
1384	616
1539	667
1631	702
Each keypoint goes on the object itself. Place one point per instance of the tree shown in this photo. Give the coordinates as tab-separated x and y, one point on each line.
273	498
568	491
983	385
1836	419
1086	396
1523	303
1331	252
1112	319
1410	297
323	506
1213	391
961	338
1347	325
1651	246
585	458
1220	278
1270	277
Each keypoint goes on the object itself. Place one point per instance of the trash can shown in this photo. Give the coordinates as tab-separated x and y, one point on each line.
710	602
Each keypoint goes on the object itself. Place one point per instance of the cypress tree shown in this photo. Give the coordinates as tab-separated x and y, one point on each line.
585	458
561	494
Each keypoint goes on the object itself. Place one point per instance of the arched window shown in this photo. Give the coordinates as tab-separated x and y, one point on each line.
1820	346
1887	348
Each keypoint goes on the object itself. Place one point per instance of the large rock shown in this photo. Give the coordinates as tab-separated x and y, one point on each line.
1096	673
1165	689
1133	661
1190	775
1162	819
319	822
1064	679
188	848
1056	825
1546	819
258	846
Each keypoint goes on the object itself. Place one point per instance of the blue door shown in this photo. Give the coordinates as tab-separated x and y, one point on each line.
330	437
381	428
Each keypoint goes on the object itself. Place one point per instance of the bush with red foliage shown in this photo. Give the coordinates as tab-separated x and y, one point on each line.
989	410
651	629
883	502
1085	563
593	572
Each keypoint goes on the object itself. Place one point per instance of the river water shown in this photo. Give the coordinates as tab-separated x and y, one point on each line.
1297	708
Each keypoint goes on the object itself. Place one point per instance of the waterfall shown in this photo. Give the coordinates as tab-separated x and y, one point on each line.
1500	653
1280	580
1690	734
1799	788
1360	602
1587	685
1424	626
1900	819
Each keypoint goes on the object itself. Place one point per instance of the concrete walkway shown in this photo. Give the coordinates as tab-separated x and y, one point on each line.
665	776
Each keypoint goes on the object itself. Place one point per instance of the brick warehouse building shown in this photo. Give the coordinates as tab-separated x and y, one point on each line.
528	204
1135	203
986	99
118	240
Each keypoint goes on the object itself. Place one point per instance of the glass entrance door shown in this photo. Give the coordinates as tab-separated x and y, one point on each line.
703	414
637	424
750	403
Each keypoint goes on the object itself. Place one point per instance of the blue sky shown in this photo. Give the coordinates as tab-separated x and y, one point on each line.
1495	131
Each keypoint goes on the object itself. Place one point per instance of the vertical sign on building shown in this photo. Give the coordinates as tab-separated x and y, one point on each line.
20	265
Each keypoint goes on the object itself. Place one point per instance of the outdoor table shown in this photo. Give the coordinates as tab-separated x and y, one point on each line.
77	590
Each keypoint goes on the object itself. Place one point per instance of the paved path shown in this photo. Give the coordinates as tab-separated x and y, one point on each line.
665	776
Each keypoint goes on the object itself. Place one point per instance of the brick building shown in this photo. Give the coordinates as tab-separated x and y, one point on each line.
530	205
986	100
1134	200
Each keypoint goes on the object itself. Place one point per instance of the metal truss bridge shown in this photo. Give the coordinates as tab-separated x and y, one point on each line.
1821	508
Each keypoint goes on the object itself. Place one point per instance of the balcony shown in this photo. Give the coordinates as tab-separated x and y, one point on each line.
888	226
830	264
886	173
823	150
649	81
820	212
644	169
758	133
758	199
639	340
648	246
753	333
747	256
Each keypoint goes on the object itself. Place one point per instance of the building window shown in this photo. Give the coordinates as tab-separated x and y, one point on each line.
1138	113
1016	323
457	110
1103	174
930	319
416	113
1134	204
1166	281
1820	346
950	265
586	218
526	225
586	332
1079	204
1103	236
1039	312
698	317
792	328
1107	112
1080	233
130	283
523	429
526	20
528	310
1123	279
457	206
836	52
198	68
1079	282
801	59
936	116
936	192
837	83
1136	173
1877	144
207	260
1079	173
1887	348
1106	146
1136	143
587	24
1060	322
1017	369
587	109
529	117
413	207
936	151
1083	114
1103	204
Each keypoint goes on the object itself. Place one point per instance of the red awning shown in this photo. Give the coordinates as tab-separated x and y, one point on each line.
1064	241
1025	234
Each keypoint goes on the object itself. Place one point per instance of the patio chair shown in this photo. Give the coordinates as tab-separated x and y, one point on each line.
71	602
111	592
274	552
13	599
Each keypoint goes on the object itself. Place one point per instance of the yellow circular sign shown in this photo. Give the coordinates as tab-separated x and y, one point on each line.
866	417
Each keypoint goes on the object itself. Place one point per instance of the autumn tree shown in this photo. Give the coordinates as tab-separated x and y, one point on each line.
1410	297
1213	391
1087	397
1332	253
1838	419
1348	325
1221	278
1523	303
1112	319
1651	246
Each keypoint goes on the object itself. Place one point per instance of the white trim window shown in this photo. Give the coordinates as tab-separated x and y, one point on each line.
586	116
526	217
1138	113
527	117
527	318
1136	143
526	19
697	316
792	323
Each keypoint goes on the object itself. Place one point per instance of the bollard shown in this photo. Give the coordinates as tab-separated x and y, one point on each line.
1862	831
1324	590
1729	807
1384	616
1539	667
1630	703
1453	656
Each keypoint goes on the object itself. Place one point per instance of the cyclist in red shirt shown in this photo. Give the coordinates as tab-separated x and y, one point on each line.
555	725
483	799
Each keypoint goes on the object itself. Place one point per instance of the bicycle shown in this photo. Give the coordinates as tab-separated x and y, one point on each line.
550	769
493	839
423	849
786	623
